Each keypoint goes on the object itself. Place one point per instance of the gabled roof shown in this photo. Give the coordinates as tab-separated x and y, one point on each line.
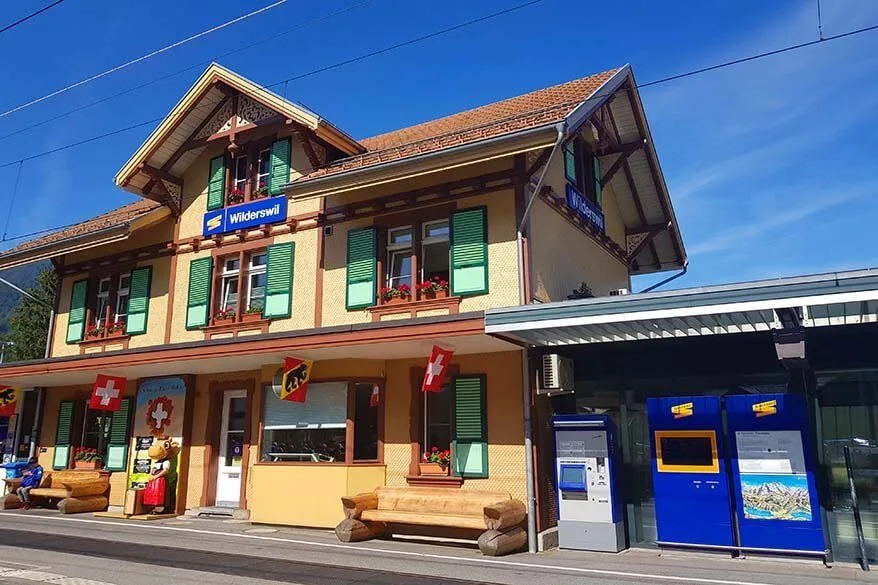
108	227
195	113
531	110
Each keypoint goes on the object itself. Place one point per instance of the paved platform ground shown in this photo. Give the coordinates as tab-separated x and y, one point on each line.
227	551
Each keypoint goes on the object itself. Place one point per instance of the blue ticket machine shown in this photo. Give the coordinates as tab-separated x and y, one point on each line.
690	482
773	473
586	468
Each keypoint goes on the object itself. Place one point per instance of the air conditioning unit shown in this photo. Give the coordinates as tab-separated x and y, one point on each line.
619	292
556	375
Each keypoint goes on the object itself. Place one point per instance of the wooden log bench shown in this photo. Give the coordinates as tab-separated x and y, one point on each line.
496	513
72	491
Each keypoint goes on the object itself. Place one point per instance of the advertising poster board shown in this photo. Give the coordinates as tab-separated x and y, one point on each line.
774	485
160	408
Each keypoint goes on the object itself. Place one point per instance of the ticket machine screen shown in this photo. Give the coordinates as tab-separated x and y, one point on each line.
572	477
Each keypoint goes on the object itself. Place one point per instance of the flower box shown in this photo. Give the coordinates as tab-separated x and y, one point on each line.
436	294
251	317
115	333
397	300
432	469
88	465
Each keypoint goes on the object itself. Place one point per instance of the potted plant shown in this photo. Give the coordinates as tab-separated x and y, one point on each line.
252	314
224	315
260	192
395	295
85	458
583	292
235	196
435	288
116	329
435	462
95	332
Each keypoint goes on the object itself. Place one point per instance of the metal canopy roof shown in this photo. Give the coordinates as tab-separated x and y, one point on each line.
843	298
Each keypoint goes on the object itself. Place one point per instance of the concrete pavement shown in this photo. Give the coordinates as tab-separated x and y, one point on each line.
216	549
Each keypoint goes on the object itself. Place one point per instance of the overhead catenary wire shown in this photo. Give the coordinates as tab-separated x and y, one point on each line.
652	83
139	86
24	19
12	200
140	59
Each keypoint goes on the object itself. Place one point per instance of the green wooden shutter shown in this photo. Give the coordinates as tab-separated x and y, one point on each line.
216	183
120	431
570	162
362	278
198	304
76	316
469	251
280	166
470	446
138	301
279	285
598	189
61	459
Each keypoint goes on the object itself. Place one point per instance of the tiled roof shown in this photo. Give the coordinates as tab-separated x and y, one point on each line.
531	110
116	217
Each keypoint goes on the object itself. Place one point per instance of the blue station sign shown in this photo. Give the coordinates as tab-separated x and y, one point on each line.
245	216
585	208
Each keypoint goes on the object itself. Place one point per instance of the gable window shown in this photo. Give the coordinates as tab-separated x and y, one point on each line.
259	169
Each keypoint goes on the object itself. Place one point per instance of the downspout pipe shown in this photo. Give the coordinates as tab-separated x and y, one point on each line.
525	357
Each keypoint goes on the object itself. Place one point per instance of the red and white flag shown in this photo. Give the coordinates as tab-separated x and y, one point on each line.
440	360
8	400
107	393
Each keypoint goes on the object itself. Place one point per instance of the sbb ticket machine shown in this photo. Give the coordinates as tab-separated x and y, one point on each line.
589	501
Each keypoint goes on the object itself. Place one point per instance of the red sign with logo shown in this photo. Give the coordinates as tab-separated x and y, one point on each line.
440	360
297	374
8	400
107	393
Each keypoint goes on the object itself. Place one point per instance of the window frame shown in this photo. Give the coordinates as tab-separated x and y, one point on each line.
350	424
249	184
120	293
417	432
102	300
583	152
431	240
226	276
255	271
236	180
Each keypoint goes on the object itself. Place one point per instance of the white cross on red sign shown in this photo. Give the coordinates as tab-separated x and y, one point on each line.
437	367
107	393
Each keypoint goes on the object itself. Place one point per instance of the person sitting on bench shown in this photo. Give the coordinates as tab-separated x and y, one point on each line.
31	479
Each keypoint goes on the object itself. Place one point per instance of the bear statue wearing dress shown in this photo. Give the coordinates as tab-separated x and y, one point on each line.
156	494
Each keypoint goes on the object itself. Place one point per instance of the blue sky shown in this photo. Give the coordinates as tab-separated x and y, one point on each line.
772	165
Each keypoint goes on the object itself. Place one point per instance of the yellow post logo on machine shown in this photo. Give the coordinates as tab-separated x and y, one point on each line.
683	410
765	408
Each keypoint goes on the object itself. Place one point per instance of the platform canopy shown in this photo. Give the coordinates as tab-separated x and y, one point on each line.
842	298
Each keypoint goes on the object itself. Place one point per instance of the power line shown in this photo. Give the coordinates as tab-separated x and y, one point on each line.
431	35
299	27
29	16
139	59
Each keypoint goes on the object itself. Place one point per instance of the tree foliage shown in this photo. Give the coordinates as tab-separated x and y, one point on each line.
29	321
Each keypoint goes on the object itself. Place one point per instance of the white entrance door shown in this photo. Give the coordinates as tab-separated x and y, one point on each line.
231	452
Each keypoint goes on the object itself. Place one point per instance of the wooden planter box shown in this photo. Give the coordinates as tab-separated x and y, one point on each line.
224	320
250	317
114	334
433	469
88	465
397	301
439	294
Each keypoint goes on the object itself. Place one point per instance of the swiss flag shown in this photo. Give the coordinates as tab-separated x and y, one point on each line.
107	393
440	359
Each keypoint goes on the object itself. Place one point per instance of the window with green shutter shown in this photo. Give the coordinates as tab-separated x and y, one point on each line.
570	163
198	304
280	166
279	285
470	446
138	301
216	183
120	431
63	431
362	271
598	188
76	316
469	251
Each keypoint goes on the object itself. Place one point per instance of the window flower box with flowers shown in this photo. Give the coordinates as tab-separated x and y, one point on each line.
435	462
95	332
396	295
115	329
225	315
437	288
252	314
85	458
260	192
235	196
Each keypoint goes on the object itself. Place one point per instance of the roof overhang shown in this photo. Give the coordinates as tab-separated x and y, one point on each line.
202	101
847	298
464	333
78	243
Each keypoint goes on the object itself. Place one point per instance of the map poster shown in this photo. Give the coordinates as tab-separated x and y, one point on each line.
774	485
